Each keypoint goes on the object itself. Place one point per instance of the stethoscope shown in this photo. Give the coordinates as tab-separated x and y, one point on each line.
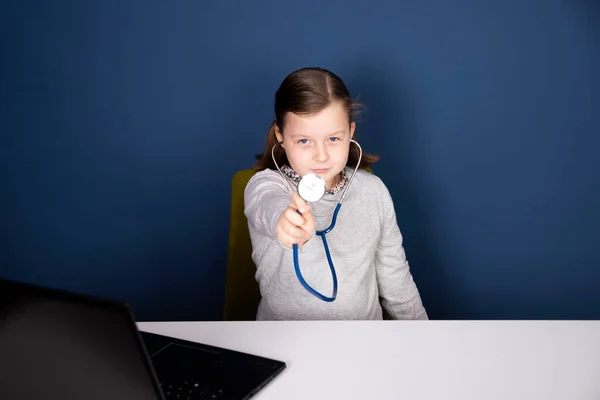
312	188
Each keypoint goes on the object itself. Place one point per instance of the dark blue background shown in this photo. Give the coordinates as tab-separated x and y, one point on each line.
122	123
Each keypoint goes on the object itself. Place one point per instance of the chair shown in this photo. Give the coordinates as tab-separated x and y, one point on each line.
242	294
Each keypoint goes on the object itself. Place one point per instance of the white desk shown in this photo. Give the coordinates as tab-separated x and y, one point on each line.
414	360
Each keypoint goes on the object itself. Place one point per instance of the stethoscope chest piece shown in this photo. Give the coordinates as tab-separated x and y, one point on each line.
311	187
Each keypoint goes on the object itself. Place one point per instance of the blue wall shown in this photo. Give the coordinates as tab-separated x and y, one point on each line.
123	122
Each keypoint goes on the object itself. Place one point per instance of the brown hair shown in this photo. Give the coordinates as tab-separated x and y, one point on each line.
305	92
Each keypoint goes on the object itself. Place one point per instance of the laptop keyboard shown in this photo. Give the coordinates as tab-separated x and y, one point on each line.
190	390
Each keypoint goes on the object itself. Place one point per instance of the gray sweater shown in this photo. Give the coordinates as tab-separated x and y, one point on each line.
365	245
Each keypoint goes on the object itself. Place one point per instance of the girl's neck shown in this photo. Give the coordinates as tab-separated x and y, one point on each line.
336	179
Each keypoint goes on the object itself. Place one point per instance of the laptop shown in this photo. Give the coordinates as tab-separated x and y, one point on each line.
56	344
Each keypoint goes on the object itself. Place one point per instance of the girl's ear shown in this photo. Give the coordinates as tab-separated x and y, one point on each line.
352	128
278	135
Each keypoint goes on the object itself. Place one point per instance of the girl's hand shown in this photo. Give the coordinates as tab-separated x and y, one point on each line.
293	227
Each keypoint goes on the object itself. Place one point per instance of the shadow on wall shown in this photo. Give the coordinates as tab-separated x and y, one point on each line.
388	127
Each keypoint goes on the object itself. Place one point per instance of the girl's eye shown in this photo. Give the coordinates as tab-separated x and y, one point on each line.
334	139
303	141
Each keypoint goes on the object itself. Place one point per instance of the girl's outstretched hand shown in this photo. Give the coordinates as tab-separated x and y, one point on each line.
296	224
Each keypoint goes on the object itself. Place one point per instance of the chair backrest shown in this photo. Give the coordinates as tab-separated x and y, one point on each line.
242	294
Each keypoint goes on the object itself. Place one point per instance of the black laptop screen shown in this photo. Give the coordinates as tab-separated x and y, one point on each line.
56	347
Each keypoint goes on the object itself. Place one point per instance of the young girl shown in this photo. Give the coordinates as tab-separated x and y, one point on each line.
313	133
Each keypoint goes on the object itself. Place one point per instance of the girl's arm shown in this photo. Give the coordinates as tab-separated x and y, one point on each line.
266	196
399	294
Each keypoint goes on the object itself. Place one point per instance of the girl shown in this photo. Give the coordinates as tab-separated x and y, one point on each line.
313	133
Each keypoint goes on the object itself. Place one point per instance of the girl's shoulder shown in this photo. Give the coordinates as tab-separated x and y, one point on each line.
266	179
373	188
369	181
266	175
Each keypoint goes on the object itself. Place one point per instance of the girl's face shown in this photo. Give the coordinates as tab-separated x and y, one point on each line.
318	143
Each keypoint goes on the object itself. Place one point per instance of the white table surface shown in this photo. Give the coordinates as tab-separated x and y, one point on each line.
379	360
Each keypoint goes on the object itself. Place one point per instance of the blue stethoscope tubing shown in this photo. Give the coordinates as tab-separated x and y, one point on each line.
328	254
322	234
